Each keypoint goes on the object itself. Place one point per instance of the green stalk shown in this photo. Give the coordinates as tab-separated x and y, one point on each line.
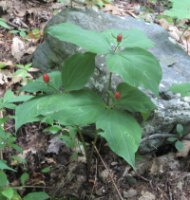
92	150
84	145
109	88
108	99
183	33
54	88
1	151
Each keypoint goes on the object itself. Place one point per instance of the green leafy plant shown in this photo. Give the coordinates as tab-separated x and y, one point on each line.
3	23
167	4
68	133
34	34
147	11
62	1
78	107
181	88
23	71
2	65
22	32
7	140
167	18
180	9
178	144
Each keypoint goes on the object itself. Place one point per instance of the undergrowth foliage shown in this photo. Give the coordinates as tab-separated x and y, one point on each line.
77	107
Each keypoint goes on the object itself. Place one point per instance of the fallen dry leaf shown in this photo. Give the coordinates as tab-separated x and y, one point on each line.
174	32
163	23
33	70
7	73
3	79
55	145
18	78
7	64
17	48
30	50
3	5
131	13
147	196
35	36
21	13
25	153
9	35
185	150
114	10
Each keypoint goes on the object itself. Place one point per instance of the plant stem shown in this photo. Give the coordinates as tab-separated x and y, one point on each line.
4	125
84	145
183	33
92	150
100	148
26	186
54	88
108	98
109	88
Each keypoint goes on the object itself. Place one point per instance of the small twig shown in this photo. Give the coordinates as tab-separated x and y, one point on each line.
9	127
150	127
164	135
143	178
124	174
109	173
169	191
180	40
11	24
94	179
181	177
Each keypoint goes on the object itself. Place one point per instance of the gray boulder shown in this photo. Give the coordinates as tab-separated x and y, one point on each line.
171	111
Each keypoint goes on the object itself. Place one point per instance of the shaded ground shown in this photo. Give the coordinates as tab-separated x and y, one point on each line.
160	175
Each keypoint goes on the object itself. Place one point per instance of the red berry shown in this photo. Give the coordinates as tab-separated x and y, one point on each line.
117	95
46	78
119	38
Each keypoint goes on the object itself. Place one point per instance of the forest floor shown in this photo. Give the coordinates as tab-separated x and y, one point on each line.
160	174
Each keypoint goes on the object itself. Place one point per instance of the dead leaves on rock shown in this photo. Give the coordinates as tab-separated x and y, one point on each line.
19	48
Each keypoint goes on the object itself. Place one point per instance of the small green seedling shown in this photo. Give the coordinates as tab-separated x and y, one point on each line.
178	144
170	20
23	71
22	33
